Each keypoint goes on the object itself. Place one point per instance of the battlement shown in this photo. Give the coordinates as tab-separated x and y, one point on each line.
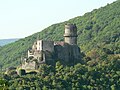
70	26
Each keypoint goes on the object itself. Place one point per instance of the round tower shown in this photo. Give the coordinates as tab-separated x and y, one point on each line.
70	35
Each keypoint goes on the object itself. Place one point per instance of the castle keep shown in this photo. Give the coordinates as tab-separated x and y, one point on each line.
48	52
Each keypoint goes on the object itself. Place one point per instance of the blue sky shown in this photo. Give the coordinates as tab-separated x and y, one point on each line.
21	18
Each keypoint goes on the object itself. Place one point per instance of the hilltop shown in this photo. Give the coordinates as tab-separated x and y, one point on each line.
97	30
6	41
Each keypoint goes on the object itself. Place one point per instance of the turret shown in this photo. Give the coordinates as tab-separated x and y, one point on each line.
70	35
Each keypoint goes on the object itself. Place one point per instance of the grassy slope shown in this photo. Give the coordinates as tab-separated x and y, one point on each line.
97	28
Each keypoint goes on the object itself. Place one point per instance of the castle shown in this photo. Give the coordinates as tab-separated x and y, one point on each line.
48	52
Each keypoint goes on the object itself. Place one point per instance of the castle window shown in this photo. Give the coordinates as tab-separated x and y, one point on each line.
38	67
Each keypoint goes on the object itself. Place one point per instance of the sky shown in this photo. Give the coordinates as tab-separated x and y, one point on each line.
21	18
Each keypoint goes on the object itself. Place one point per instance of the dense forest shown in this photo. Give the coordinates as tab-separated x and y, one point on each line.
95	76
97	30
99	68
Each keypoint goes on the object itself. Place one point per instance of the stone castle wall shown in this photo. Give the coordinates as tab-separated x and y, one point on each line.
67	53
49	51
29	65
70	40
47	46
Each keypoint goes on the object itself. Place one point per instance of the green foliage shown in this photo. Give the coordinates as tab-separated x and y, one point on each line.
3	84
102	76
99	28
99	39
